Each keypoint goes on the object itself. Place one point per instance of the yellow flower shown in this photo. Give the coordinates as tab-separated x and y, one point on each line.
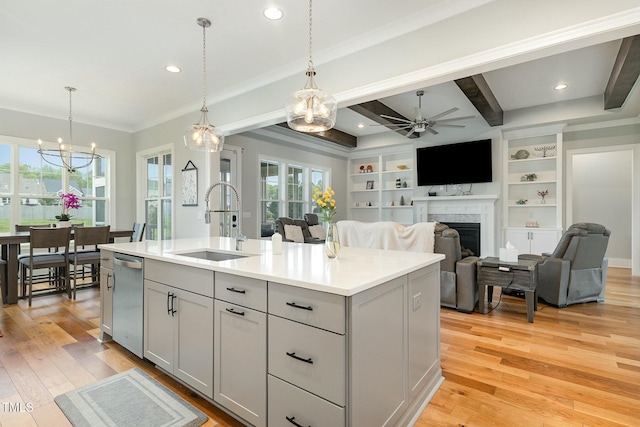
325	202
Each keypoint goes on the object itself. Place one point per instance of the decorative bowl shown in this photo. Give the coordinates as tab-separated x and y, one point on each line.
402	167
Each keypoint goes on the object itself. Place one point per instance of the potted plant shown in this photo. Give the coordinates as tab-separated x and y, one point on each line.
68	201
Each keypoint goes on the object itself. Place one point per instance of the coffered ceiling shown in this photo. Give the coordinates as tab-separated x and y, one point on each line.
114	53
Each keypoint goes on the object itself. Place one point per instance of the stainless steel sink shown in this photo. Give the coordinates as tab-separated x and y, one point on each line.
213	256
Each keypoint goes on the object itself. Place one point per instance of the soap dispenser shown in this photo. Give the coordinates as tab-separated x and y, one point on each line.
276	243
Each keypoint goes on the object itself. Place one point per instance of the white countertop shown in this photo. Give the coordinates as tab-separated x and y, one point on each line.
302	265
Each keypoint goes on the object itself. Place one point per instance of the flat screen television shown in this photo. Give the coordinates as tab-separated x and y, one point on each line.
461	163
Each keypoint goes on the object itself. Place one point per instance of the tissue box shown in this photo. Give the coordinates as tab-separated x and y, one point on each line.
508	255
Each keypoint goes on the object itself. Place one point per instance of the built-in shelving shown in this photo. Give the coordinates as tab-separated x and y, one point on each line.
536	225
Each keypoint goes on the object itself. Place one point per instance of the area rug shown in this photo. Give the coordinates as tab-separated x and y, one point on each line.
130	398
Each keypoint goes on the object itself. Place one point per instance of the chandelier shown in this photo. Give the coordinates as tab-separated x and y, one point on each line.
203	136
65	156
311	109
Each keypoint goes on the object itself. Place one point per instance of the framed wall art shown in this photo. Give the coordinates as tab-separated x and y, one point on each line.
190	185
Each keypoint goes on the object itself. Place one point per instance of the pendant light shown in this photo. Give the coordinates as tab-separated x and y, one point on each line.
66	157
311	109
203	136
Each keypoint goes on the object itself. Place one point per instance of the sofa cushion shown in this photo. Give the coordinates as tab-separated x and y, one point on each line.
293	232
317	231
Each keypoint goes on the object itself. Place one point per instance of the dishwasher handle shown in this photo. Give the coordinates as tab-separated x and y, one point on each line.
137	265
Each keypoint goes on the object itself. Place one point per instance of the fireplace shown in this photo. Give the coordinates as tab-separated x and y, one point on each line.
469	237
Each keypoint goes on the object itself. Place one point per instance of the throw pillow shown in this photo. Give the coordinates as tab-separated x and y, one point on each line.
293	232
317	231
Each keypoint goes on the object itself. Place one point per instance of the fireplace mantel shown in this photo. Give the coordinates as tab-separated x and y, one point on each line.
472	208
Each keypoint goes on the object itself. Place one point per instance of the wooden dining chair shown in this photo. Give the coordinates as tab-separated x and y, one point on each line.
42	277
45	238
3	282
85	251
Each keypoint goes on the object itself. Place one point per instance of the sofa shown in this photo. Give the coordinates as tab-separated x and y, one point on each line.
307	226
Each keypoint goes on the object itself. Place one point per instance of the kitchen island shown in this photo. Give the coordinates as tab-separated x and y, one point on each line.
294	338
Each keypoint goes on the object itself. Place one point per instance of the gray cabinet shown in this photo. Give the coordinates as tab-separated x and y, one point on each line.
178	323
106	295
240	361
240	346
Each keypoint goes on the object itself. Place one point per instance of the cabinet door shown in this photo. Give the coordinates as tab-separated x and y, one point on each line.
519	239
241	361
106	302
544	241
158	324
194	341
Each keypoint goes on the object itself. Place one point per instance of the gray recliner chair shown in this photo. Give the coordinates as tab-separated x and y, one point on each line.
576	271
458	286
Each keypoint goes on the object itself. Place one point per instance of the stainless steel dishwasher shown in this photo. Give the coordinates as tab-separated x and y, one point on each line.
128	285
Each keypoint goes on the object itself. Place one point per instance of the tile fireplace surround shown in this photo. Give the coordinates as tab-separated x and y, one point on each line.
474	208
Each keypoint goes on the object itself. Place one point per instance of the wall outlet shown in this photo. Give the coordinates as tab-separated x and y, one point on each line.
417	301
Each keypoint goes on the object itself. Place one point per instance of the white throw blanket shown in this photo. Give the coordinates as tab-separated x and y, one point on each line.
387	235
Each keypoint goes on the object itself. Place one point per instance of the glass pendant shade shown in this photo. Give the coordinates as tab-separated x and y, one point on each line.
203	136
311	109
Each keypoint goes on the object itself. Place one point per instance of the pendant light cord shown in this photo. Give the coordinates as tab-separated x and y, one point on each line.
204	68
310	36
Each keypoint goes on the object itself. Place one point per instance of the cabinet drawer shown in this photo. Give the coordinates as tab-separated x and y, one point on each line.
287	401
196	280
319	309
244	291
106	259
308	357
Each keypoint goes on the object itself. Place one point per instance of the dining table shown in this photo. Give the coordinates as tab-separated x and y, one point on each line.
10	243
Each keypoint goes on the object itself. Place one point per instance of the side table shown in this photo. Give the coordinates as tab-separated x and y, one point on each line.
520	276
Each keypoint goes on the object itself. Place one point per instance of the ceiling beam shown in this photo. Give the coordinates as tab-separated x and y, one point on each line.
479	93
373	109
625	73
332	135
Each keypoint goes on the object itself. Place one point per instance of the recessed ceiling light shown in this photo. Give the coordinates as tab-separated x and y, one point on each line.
273	13
360	125
560	86
172	69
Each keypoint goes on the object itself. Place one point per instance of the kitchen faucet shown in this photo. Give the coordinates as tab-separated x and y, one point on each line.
207	213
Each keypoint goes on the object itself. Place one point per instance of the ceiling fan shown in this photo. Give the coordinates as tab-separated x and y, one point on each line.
421	124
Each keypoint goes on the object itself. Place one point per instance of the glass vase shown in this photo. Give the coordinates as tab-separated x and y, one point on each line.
332	240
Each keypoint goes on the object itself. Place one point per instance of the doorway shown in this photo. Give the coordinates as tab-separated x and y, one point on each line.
600	189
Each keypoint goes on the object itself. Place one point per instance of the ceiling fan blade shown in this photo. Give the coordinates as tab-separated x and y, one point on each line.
456	118
433	131
394	118
410	133
436	117
448	126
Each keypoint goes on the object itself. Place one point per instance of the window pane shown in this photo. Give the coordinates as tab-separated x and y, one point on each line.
5	169
296	210
152	177
5	213
167	175
166	219
36	176
269	180
151	217
295	179
82	181
270	212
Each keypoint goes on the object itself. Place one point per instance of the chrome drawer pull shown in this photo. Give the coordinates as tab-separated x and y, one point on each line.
291	420
231	310
293	304
309	360
239	291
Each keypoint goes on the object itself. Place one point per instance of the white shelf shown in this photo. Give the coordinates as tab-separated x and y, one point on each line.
397	207
533	182
398	189
532	159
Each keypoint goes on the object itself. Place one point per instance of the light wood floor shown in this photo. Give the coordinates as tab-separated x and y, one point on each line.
579	366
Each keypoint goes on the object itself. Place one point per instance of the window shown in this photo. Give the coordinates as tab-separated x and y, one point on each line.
30	187
158	204
286	189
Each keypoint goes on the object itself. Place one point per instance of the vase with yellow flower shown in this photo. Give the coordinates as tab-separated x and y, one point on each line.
327	208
